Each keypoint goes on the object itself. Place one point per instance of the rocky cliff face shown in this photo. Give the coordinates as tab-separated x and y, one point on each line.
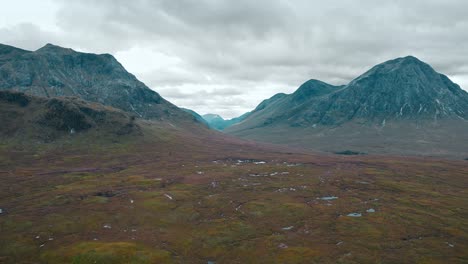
54	71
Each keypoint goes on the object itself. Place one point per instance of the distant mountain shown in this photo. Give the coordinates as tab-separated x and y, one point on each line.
400	102
53	71
217	122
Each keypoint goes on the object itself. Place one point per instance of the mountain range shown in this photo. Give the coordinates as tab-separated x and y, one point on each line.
402	106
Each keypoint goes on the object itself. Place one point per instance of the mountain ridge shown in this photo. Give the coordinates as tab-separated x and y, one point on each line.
368	96
393	102
54	71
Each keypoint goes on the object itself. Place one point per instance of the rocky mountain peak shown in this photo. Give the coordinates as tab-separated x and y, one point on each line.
51	48
401	88
408	66
54	71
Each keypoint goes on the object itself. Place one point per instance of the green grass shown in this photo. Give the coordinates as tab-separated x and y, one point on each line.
107	253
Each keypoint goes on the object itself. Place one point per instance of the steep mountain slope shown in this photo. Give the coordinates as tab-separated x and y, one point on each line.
53	71
402	102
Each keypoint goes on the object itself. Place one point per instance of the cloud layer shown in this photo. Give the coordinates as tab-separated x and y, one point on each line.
226	56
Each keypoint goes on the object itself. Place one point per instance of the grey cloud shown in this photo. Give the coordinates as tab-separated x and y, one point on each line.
27	36
228	105
178	93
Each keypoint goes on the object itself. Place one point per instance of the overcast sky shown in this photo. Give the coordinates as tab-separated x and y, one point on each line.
224	57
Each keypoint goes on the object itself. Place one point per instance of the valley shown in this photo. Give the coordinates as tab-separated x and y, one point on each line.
95	167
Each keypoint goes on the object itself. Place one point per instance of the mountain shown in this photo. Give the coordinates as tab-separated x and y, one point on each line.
217	122
53	71
400	89
403	102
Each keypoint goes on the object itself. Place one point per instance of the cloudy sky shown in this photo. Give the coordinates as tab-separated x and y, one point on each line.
224	57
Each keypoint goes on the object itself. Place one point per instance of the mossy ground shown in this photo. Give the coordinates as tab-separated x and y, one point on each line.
191	202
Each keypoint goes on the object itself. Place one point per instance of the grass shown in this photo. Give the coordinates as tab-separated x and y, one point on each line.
107	253
69	192
349	152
